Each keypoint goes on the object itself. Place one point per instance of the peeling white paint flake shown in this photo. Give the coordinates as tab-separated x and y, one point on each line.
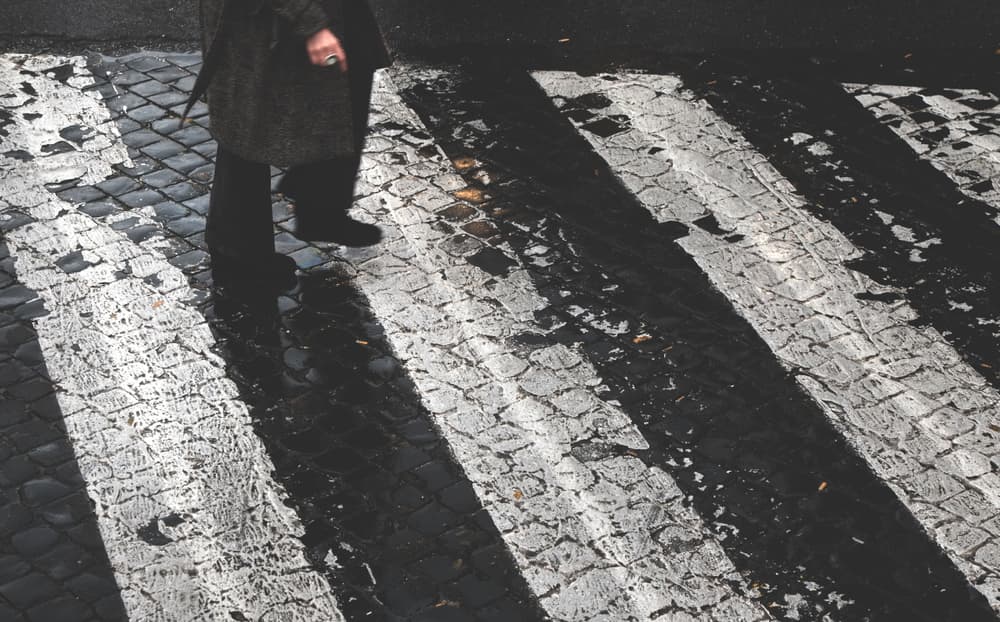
593	531
800	138
162	440
923	419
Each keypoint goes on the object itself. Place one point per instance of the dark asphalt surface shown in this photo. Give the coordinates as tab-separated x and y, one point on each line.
97	24
675	26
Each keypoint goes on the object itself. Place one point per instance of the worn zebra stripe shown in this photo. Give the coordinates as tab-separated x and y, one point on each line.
194	526
900	394
597	534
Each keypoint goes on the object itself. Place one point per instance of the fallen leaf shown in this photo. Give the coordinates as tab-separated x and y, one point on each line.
986	365
158	304
995	427
131	420
518	495
908	55
822	486
681	398
464	163
567	40
712	82
471	194
642	338
361	342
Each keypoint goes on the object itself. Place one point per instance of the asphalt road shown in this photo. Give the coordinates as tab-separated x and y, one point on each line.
677	25
103	23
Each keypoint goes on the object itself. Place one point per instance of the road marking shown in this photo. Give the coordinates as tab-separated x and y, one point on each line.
194	526
924	420
598	535
956	130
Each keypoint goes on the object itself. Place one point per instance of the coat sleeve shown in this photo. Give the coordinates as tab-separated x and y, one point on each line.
307	17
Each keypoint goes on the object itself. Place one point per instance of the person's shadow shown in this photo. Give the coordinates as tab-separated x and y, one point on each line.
388	515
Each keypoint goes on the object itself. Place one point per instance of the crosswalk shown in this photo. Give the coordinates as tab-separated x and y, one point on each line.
626	331
874	375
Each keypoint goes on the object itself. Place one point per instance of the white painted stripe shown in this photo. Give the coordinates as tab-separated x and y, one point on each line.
965	147
596	538
157	426
925	421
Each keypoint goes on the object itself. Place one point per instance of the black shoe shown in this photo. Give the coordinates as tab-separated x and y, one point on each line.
274	270
339	228
343	230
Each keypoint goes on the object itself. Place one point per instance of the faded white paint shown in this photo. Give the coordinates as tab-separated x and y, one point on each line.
157	426
924	420
596	537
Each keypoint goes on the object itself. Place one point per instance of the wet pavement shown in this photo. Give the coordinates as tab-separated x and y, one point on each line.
551	393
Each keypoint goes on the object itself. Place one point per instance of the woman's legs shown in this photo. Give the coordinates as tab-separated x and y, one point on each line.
239	213
240	231
324	191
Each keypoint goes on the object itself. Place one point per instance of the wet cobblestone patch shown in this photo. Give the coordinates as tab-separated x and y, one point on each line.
752	453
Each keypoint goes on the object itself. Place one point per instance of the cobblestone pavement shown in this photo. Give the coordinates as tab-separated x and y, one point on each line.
635	347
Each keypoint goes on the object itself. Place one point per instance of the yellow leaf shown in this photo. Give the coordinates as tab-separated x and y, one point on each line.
361	342
822	487
464	163
642	338
157	304
471	194
518	495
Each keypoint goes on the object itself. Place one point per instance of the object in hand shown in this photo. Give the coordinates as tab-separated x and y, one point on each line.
331	60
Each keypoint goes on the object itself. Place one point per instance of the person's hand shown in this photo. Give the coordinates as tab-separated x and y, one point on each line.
323	44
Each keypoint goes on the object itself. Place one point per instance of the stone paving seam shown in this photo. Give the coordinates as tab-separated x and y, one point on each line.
900	394
595	537
194	533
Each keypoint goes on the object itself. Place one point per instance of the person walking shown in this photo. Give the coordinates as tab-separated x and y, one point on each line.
288	84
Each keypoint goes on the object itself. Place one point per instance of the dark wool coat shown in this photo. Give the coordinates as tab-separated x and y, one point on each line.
267	102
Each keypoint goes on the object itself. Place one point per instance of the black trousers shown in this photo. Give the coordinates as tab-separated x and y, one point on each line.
239	221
